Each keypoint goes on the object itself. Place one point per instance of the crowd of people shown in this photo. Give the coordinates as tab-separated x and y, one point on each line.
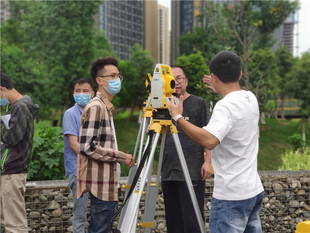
228	137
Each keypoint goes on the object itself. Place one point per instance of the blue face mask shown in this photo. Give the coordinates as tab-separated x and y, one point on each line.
114	87
4	101
82	99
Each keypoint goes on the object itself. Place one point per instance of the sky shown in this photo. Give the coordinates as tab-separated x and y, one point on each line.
303	24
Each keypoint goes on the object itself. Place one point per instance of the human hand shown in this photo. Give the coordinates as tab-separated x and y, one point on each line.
176	109
208	82
206	170
129	161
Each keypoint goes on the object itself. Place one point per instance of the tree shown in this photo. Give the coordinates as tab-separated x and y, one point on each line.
242	26
299	85
249	18
15	61
200	40
195	67
262	77
22	69
60	35
285	61
102	46
134	71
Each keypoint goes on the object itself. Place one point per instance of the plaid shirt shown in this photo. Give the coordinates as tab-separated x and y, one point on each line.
97	159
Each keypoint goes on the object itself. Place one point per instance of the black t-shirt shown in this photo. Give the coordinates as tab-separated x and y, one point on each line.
196	111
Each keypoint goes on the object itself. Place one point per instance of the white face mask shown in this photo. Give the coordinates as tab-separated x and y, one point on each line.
114	87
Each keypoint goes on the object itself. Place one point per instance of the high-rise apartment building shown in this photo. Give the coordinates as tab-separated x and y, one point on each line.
151	30
285	34
4	10
123	24
183	18
141	21
157	38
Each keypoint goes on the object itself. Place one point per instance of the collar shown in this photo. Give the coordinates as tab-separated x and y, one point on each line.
107	102
79	107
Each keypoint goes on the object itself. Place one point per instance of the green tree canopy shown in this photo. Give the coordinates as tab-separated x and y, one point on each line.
299	84
60	35
195	67
134	71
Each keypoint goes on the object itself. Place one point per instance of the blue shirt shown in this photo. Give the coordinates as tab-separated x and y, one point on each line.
71	125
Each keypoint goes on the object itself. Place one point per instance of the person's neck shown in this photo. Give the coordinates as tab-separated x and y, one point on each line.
228	88
185	95
105	93
82	107
14	96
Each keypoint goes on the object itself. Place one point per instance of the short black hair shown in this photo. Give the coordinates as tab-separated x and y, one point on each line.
226	66
99	64
81	81
5	81
181	67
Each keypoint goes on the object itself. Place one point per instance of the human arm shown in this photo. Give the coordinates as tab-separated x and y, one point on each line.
71	128
200	135
96	138
73	143
206	170
18	124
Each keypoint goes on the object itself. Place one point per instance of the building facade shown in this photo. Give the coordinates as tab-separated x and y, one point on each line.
164	35
183	19
4	10
123	24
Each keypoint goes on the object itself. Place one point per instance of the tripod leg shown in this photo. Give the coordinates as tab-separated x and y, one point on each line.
189	182
132	171
152	193
129	223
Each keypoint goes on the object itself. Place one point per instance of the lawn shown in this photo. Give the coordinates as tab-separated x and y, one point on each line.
274	139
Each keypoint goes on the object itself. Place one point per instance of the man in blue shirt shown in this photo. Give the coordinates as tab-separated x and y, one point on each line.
83	92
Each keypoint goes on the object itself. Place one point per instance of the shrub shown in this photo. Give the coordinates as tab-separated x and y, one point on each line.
47	161
296	160
297	141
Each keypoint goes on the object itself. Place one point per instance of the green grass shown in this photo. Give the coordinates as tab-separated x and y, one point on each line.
126	133
274	139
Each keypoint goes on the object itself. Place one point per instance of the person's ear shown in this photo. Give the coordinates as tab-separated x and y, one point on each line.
214	77
240	75
98	81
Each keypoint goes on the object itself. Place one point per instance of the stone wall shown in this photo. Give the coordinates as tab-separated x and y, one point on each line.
287	202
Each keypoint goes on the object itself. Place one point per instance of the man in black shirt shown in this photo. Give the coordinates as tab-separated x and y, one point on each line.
179	210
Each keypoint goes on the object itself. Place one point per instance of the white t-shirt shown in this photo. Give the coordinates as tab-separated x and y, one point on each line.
234	122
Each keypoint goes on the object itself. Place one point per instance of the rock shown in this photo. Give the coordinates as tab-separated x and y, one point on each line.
57	213
53	205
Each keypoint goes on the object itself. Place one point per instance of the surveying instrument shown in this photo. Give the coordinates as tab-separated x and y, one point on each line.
160	86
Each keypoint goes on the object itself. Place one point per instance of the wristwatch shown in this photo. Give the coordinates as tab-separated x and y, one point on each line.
176	118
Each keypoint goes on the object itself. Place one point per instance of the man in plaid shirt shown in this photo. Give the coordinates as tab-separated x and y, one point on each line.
98	155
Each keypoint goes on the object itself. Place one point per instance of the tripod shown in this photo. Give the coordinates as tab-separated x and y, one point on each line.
160	121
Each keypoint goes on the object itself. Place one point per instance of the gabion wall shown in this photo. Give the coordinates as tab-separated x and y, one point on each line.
287	202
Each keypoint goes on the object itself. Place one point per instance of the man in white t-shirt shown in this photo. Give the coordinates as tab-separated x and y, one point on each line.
232	135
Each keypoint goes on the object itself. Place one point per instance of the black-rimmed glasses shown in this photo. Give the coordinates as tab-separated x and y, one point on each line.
180	79
113	76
